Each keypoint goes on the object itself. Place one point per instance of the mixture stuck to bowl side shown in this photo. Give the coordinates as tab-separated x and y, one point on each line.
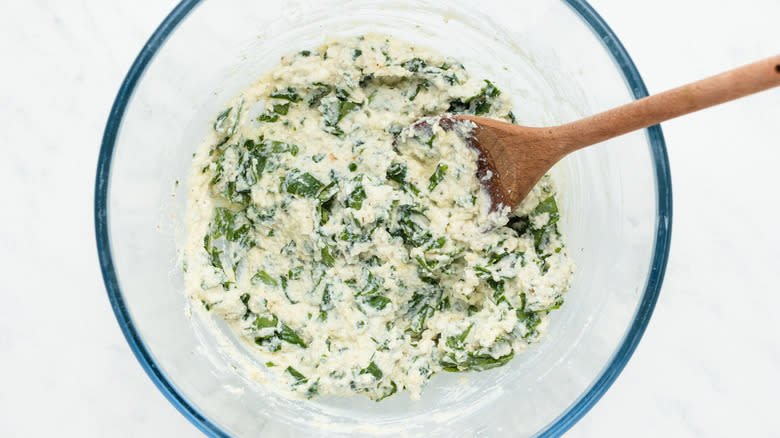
357	256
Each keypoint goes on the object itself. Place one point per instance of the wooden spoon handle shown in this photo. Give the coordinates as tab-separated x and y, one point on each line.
676	102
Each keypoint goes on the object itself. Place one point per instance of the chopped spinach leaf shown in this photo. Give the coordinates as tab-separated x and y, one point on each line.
267	117
288	335
547	206
437	243
397	172
345	107
481	108
421	86
414	65
355	198
262	322
295	273
273	115
326	303
301	183
438	176
333	110
378	302
372	369
392	390
476	362
265	278
226	122
550	207
297	376
313	389
221	118
527	317
327	257
288	93
459	342
477	104
412	226
328	192
318	93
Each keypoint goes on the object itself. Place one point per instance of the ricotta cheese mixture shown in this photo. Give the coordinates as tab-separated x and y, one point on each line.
355	254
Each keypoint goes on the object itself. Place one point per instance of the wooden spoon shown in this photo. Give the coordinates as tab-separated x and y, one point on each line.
514	158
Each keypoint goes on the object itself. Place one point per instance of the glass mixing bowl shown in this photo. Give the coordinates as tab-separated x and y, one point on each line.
558	60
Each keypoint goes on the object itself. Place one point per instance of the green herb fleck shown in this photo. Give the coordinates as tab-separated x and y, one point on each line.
288	335
327	257
288	93
459	342
476	362
414	65
397	172
299	378
355	198
318	93
262	322
314	389
378	302
372	369
482	108
301	183
265	278
328	192
411	226
547	206
437	177
221	118
438	243
393	389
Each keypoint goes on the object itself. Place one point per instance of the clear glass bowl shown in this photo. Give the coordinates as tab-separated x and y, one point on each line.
558	60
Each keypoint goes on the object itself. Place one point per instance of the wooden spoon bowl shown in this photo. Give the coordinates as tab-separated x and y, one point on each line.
514	158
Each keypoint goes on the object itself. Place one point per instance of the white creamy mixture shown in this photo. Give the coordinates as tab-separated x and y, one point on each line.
354	255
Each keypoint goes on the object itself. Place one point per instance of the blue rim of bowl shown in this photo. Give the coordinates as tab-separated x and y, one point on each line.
557	427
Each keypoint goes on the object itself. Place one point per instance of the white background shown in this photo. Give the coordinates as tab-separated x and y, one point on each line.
709	362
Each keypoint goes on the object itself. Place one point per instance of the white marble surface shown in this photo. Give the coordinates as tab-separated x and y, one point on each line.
707	366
